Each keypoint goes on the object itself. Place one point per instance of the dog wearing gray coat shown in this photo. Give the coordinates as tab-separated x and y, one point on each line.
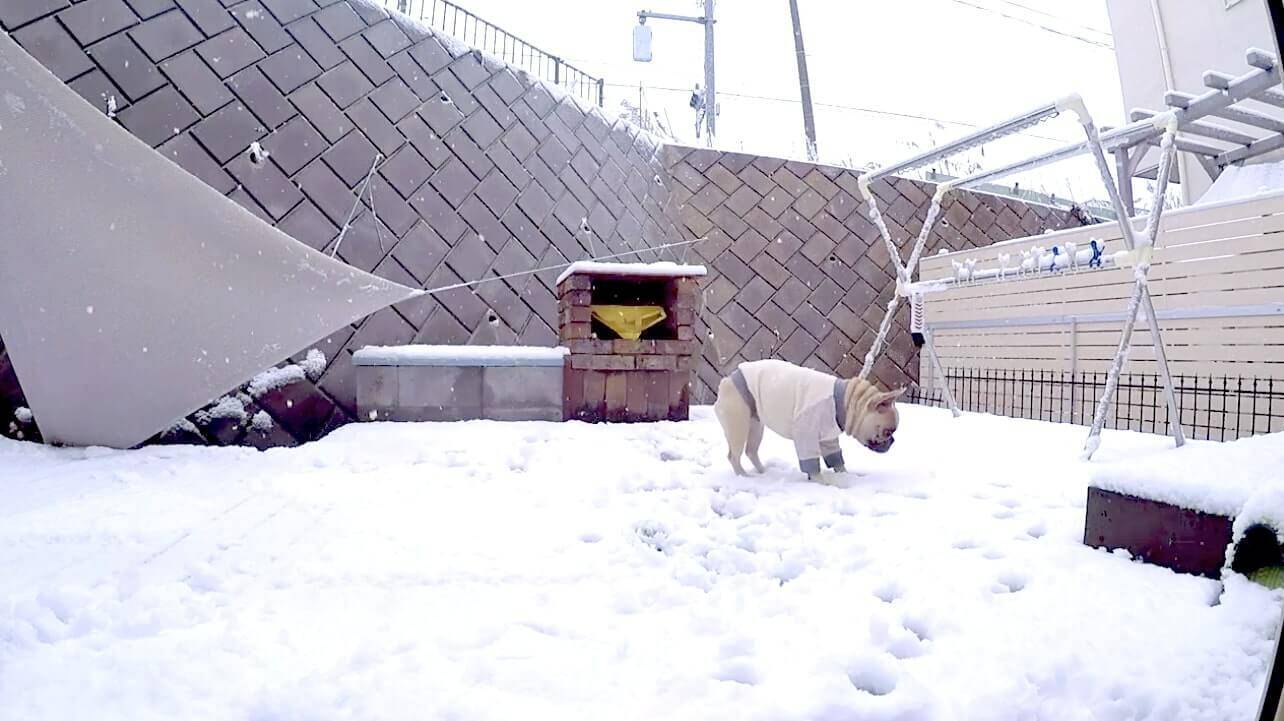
811	408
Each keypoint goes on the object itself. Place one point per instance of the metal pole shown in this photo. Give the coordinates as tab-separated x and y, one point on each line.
1140	300
710	96
804	84
1123	171
935	360
976	139
1141	131
1074	363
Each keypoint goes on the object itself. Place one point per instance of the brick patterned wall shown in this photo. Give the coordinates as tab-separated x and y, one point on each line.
488	171
797	270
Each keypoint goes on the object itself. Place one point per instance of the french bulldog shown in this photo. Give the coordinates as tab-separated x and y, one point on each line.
806	406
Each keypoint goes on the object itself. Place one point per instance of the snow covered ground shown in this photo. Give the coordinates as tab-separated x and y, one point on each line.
563	571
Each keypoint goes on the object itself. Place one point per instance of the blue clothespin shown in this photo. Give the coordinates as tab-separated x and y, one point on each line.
1097	249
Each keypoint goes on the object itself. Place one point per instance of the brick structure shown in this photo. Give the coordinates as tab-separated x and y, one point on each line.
611	379
487	171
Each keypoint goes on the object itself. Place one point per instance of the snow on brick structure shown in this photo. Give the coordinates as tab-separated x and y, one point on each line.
630	329
659	269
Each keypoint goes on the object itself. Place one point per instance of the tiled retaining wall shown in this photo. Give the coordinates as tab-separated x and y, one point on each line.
488	172
798	271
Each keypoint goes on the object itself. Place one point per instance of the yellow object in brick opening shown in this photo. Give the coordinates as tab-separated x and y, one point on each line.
629	321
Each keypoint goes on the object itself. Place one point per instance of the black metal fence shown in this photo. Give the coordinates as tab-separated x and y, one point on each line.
1220	408
467	27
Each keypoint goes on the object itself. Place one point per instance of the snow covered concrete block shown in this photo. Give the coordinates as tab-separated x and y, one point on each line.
453	383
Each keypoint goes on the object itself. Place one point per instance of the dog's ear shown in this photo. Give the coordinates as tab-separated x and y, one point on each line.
884	401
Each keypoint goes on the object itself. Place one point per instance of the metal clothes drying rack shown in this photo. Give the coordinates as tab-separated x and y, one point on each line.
1170	130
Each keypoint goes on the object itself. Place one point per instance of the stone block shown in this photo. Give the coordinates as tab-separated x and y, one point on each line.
635	408
439	393
522	393
617	396
377	392
657	362
633	347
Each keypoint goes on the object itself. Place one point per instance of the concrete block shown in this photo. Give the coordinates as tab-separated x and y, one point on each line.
439	393
538	413
377	391
522	393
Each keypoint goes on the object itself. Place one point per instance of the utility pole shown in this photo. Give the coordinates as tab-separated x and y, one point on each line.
707	20
710	96
804	85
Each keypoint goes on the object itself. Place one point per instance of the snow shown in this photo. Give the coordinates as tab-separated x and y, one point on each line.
23	414
658	269
1211	477
227	407
272	379
313	363
262	422
486	570
183	426
1245	181
458	355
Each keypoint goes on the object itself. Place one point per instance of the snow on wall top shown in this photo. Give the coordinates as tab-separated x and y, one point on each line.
659	269
1221	478
458	355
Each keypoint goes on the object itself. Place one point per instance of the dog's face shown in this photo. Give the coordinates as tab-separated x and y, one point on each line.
877	427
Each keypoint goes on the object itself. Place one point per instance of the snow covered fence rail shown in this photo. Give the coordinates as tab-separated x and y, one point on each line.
1218	287
452	383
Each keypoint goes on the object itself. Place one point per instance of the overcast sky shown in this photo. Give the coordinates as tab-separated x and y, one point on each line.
966	61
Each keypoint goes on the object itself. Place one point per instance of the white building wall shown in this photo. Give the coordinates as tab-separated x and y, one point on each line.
1199	35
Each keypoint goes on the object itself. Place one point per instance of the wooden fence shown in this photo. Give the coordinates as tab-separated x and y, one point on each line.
1217	279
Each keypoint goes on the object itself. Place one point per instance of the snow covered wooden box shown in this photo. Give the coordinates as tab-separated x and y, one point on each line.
630	330
1198	509
455	383
1164	534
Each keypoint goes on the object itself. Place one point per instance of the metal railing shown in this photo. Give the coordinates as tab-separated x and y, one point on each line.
1217	408
488	37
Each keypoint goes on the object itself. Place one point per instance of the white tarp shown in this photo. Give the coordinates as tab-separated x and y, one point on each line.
131	293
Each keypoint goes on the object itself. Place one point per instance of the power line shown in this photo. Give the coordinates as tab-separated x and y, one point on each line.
1035	24
853	108
1045	13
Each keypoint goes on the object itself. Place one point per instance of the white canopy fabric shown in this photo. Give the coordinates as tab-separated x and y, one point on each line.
131	293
